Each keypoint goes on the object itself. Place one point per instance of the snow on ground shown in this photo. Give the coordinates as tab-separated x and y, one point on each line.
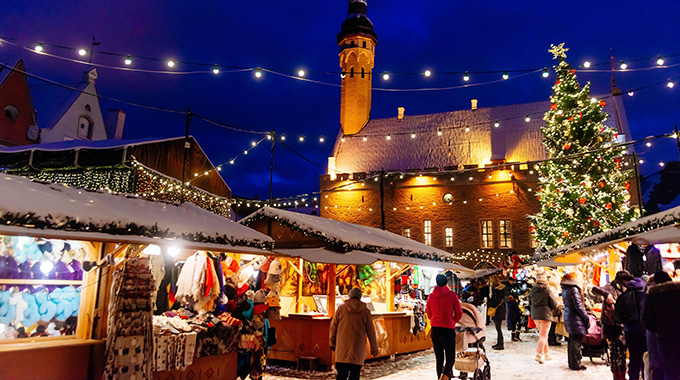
515	362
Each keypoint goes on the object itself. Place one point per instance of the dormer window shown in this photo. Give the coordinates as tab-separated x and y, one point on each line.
88	108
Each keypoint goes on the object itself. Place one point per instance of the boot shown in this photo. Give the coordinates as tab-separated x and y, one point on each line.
539	358
444	377
517	337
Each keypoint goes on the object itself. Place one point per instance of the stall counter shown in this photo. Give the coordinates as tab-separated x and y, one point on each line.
306	335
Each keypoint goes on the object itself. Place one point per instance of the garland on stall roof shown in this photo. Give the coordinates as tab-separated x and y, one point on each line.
665	220
344	246
68	223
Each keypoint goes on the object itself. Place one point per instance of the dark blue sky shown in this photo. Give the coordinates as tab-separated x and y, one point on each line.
440	35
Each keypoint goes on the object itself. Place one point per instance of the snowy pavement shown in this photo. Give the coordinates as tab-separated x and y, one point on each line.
515	362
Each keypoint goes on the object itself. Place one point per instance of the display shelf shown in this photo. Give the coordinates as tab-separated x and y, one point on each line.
7	281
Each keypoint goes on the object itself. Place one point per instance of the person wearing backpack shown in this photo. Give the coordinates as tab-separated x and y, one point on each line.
628	311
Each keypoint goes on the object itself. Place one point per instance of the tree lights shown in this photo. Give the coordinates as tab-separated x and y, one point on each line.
583	196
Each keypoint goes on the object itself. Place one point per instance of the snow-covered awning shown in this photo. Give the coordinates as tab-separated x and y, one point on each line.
52	210
356	240
663	227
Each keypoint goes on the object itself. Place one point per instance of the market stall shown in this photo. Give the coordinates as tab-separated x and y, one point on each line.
81	277
329	258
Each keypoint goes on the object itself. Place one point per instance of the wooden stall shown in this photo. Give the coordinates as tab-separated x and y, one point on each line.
42	224
341	247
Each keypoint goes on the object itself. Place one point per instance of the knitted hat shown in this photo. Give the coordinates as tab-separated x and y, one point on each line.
260	296
542	278
275	267
355	293
441	280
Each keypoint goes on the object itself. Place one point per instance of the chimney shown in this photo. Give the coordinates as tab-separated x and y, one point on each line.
474	104
401	110
115	121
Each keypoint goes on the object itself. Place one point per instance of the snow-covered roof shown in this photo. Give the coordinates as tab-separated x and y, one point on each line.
348	237
662	227
33	207
86	144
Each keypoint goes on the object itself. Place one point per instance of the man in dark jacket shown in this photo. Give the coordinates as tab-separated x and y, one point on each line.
628	310
659	315
576	320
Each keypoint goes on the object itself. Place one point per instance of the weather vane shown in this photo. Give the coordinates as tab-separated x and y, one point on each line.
559	51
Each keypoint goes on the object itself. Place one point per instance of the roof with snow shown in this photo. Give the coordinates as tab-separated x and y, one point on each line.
659	228
441	139
352	239
50	210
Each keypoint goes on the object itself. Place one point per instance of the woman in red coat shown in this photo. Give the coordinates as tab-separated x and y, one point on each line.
443	310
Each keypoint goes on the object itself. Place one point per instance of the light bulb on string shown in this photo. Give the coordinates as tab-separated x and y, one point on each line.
322	139
527	119
586	64
386	76
301	138
258	73
439	132
216	70
82	52
659	61
231	162
662	164
413	135
301	73
365	138
466	77
631	93
467	129
505	75
388	137
253	143
670	84
427	73
38	48
496	124
545	72
128	60
283	137
171	63
623	65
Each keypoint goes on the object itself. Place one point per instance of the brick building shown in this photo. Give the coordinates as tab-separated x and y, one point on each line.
462	181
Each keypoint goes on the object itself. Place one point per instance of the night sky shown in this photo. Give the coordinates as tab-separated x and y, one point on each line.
443	36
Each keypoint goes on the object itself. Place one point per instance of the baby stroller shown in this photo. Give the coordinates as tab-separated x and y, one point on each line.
594	345
470	337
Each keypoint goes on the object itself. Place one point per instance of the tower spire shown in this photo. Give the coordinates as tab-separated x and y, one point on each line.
357	41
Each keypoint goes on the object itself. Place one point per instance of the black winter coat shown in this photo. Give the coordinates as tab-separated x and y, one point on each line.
576	320
498	301
628	308
542	303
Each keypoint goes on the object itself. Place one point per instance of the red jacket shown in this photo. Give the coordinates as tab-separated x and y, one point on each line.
443	308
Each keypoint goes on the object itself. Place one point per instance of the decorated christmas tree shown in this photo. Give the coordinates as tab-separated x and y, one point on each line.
583	188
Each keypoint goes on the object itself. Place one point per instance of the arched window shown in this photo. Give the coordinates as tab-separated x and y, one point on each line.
85	128
11	113
88	108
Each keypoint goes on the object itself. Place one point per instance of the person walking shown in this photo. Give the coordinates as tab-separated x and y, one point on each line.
612	330
350	326
496	309
576	320
444	311
542	305
659	315
628	310
513	317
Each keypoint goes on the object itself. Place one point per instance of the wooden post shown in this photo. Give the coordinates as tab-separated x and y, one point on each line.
331	291
298	295
389	286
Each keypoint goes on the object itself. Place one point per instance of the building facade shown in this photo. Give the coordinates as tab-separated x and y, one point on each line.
463	181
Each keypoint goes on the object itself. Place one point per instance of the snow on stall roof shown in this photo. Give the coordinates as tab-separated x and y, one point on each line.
86	144
57	206
358	237
653	229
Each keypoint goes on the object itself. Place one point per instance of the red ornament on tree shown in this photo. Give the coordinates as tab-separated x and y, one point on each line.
608	206
567	146
595	223
602	103
558	82
566	233
582	201
553	106
602	185
627	185
573	71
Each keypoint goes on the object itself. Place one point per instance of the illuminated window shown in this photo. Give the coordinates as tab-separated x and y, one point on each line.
534	238
406	232
448	235
487	233
427	231
504	234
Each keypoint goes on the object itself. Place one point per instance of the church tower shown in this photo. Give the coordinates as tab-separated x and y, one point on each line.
357	42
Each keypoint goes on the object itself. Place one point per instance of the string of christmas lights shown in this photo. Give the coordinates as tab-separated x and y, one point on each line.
657	61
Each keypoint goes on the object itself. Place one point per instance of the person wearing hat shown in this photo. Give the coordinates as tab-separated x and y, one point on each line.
444	311
542	305
350	326
612	330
